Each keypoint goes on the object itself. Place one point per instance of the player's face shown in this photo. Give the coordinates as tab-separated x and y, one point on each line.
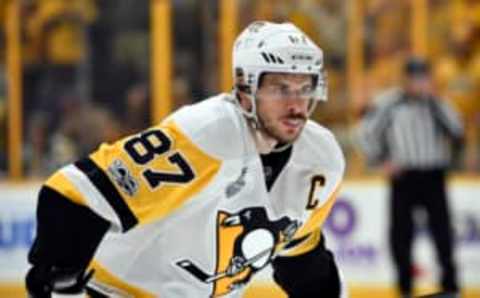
283	101
420	86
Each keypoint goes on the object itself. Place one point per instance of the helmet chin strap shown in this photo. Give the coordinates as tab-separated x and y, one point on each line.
263	143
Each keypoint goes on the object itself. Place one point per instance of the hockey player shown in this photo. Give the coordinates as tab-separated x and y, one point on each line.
195	206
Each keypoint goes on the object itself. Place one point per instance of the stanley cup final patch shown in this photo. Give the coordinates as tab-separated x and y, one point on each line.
122	177
234	187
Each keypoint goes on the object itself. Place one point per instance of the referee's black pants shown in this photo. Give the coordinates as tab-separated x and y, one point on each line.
425	189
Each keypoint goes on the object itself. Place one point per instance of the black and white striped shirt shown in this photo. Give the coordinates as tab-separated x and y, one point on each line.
412	133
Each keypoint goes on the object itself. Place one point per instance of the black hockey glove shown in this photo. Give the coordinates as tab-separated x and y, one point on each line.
42	281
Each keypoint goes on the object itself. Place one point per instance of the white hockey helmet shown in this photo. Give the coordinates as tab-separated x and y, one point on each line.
265	47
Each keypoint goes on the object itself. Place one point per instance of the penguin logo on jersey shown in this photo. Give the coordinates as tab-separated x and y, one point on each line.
246	242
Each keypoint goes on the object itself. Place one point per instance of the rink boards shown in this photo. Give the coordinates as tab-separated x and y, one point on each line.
356	231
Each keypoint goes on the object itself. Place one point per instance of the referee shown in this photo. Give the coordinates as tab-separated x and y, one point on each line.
413	135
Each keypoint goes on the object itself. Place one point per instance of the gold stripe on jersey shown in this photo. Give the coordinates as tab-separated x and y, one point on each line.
147	203
63	185
318	216
306	245
107	281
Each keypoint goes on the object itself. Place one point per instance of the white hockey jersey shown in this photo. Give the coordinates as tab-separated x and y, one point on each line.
191	215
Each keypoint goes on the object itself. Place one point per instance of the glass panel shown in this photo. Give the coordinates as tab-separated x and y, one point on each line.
3	93
387	41
194	51
85	77
454	39
86	67
387	34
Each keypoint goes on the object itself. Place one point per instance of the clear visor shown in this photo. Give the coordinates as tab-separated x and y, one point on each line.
284	93
317	91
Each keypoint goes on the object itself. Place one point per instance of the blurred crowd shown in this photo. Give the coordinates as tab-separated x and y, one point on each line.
86	66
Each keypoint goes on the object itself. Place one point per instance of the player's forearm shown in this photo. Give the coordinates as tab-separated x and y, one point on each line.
67	237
